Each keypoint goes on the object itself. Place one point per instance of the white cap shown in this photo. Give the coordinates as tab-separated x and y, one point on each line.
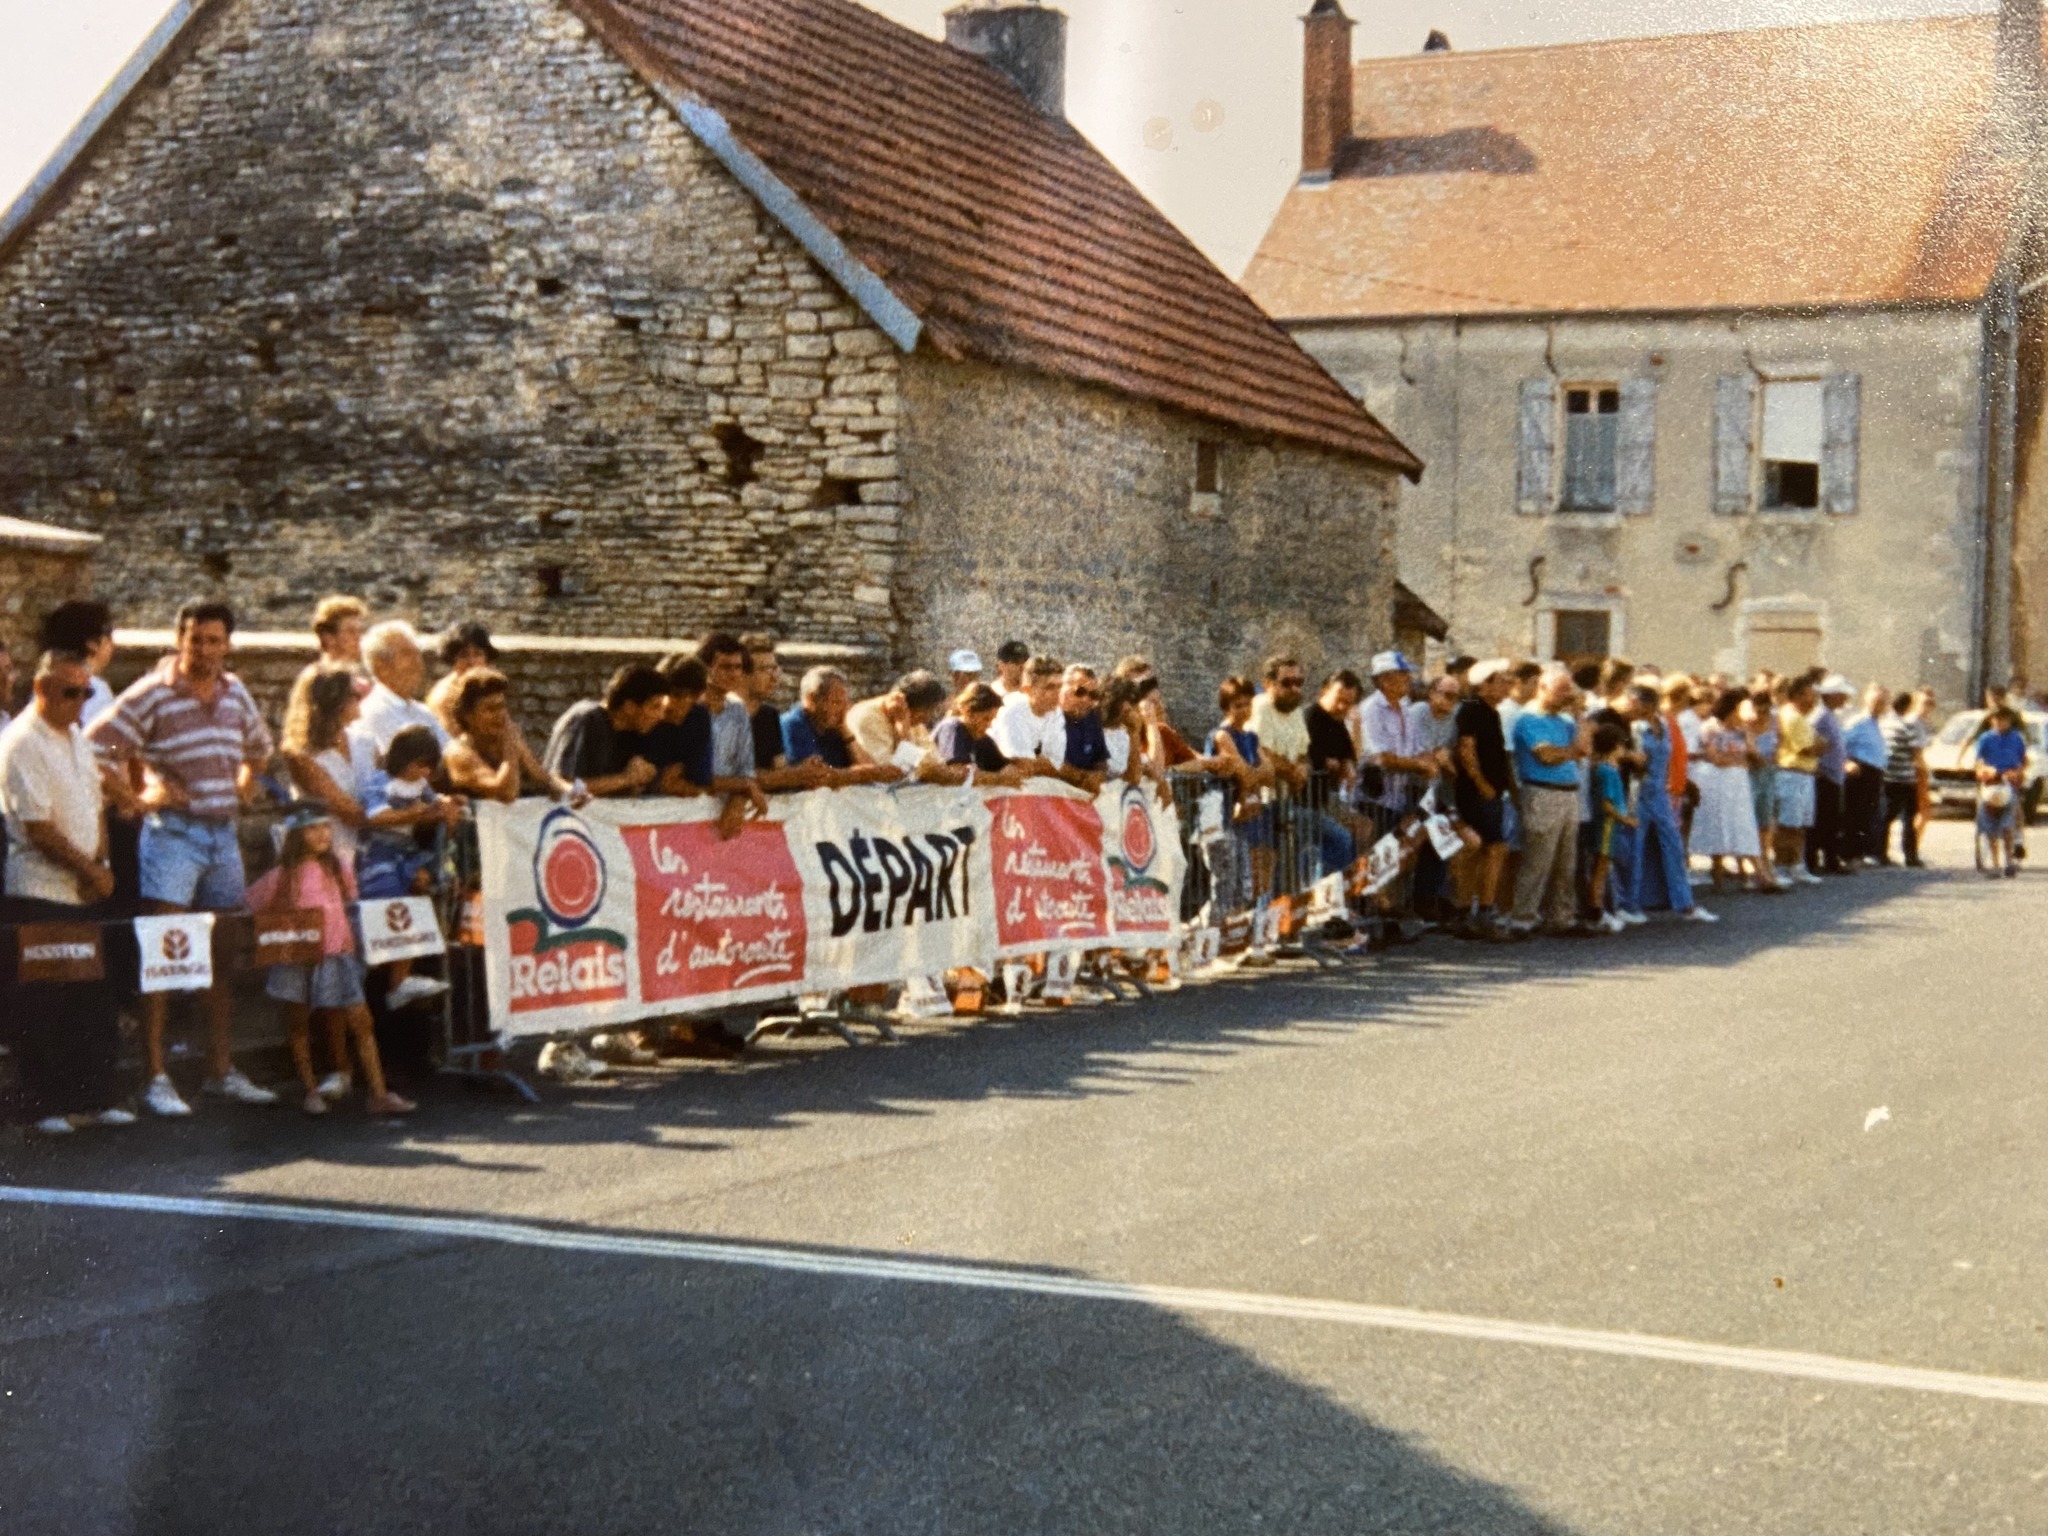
1834	682
1486	671
963	661
1389	661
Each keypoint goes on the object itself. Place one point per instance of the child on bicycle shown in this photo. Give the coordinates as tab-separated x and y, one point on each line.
2001	776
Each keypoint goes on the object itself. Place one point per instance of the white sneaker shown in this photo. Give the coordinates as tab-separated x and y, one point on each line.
1631	916
565	1061
1806	876
1611	922
1700	915
414	989
162	1098
622	1050
238	1087
56	1125
113	1117
335	1087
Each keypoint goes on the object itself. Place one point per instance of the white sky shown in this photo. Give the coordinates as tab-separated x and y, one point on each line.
1196	100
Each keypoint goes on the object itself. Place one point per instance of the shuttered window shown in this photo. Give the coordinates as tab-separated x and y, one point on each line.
1791	445
1592	415
1536	426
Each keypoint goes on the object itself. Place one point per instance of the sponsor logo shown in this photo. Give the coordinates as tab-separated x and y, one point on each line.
1140	839
270	938
398	918
48	953
558	959
176	945
877	884
730	914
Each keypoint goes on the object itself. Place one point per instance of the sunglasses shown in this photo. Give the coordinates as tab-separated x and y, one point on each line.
71	695
1085	693
1289	682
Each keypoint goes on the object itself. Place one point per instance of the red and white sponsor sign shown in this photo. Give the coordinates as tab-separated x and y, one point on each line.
716	919
1050	886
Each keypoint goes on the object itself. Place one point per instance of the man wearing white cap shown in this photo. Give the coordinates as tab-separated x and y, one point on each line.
1392	740
965	666
1824	849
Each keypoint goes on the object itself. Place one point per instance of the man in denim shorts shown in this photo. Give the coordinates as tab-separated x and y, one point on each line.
201	741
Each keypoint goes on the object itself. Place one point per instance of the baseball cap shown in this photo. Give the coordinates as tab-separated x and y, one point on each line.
306	813
963	661
1390	661
1484	670
1834	682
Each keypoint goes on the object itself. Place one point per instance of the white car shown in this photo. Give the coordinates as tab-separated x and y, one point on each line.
1952	761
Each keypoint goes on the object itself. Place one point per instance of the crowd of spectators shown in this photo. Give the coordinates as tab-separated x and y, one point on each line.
1498	800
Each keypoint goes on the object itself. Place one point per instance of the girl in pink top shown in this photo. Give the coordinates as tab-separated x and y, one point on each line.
310	875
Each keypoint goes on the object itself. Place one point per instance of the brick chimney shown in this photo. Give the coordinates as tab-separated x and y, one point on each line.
1025	40
1325	88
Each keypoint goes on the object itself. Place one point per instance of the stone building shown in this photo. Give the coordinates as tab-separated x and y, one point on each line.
1709	341
40	567
629	318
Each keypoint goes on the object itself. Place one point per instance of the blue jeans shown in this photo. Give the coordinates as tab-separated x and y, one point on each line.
191	863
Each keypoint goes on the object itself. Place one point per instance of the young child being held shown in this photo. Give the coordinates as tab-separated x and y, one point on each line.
310	874
1610	802
399	803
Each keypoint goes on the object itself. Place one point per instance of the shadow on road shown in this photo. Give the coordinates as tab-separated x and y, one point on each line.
504	1390
682	1109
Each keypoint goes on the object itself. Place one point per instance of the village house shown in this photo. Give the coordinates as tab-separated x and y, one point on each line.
632	318
1722	350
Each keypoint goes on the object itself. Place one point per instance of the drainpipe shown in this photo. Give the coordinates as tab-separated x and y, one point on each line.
1995	661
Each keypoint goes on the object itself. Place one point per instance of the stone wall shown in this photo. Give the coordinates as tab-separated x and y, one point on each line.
432	300
1068	517
547	673
33	580
1894	584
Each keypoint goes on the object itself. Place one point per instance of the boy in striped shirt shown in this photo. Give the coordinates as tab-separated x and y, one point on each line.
200	741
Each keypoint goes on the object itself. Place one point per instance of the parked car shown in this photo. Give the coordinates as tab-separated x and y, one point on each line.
1952	761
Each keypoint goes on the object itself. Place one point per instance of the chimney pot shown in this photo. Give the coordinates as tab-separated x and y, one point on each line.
1325	88
1025	41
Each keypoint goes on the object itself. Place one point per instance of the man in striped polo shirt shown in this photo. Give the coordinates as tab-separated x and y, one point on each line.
201	741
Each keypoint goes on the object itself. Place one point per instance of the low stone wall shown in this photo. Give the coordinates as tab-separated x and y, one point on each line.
548	673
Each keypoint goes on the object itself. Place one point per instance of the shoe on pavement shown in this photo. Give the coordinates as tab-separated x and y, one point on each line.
1610	922
314	1103
114	1117
236	1086
1631	916
565	1062
162	1098
55	1125
1807	877
414	989
335	1086
2012	871
625	1050
1700	915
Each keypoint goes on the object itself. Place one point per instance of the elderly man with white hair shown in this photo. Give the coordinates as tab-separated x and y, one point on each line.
391	651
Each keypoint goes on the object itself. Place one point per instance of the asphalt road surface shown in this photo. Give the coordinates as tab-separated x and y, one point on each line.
1321	1252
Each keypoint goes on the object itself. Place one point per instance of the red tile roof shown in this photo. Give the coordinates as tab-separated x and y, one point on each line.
1008	235
1847	164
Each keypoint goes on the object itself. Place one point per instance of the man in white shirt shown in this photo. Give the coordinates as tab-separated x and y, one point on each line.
1391	738
1277	718
57	872
392	652
1030	724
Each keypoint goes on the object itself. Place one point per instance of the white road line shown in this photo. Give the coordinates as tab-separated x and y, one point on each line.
981	1277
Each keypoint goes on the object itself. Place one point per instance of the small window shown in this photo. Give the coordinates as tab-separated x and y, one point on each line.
1791	449
1582	636
1592	420
1208	468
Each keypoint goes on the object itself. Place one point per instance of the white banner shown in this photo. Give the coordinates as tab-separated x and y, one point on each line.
399	928
177	951
630	909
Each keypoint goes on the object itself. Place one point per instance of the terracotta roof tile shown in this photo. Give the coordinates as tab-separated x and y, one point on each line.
1800	166
1011	238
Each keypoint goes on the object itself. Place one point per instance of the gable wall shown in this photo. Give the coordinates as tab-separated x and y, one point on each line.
1897	580
417	297
1064	516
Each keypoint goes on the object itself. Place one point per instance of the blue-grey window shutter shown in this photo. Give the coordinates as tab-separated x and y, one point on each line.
1841	410
1635	448
1537	446
1734	418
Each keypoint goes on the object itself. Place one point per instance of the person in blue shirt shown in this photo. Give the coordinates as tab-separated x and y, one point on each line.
1547	753
2002	777
814	731
1610	805
1087	756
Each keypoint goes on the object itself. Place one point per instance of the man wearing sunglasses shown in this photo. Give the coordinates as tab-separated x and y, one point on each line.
1085	763
57	872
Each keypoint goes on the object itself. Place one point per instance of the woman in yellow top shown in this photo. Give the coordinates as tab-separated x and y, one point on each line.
1798	761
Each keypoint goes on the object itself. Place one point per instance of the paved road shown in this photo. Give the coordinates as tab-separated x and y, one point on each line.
1659	1135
